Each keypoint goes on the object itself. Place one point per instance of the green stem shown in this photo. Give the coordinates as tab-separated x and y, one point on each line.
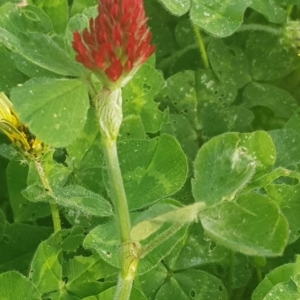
258	27
108	104
201	46
123	289
117	188
47	187
128	251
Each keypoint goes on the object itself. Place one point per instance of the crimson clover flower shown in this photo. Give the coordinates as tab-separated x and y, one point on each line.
117	42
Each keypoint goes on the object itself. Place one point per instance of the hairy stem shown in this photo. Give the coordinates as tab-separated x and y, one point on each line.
47	188
201	46
109	111
258	27
117	189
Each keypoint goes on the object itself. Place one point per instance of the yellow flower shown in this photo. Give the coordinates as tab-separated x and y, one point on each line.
18	133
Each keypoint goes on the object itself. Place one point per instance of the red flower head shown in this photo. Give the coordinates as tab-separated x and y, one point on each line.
117	43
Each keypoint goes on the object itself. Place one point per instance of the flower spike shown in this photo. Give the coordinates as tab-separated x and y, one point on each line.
117	42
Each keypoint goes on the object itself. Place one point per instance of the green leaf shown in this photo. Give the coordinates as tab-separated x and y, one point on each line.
209	89
46	270
294	122
10	75
287	198
181	101
287	144
241	270
132	128
79	5
54	109
226	163
138	97
229	64
257	143
270	10
19	244
219	19
157	170
16	286
182	129
278	100
279	282
262	50
192	284
56	173
262	230
197	250
184	34
72	197
152	280
30	18
86	158
57	11
23	210
84	273
284	291
105	240
39	49
2	224
177	8
109	294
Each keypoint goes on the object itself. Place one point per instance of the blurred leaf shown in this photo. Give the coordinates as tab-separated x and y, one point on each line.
86	275
287	198
229	64
270	10
279	283
263	50
109	294
196	251
19	244
287	144
132	128
15	19
2	224
23	210
16	286
72	197
278	100
79	5
138	97
219	19
294	122
192	284
177	8
10	75
54	109
57	11
46	270
181	101
86	158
